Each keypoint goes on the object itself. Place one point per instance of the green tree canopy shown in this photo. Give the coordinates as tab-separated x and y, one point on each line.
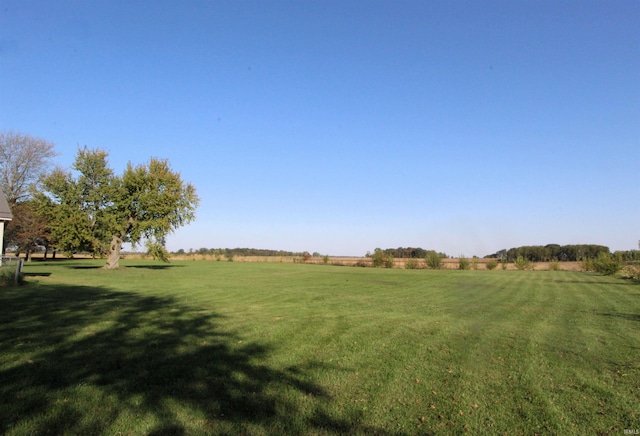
98	211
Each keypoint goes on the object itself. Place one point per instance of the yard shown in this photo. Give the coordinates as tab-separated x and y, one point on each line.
273	348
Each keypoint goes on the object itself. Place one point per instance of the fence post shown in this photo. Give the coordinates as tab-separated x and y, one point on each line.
18	270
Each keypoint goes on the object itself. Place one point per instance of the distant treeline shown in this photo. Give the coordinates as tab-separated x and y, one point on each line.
406	253
229	252
533	253
628	255
565	253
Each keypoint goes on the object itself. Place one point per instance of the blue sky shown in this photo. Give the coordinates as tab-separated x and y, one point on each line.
342	126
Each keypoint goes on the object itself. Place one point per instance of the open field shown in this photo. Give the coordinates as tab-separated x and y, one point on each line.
447	263
280	348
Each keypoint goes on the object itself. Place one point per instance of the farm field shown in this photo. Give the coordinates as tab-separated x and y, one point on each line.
281	348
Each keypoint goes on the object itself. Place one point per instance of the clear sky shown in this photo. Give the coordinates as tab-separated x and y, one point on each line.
342	126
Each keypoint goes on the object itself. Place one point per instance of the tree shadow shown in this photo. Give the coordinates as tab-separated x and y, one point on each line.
627	316
75	359
36	274
155	267
152	267
84	266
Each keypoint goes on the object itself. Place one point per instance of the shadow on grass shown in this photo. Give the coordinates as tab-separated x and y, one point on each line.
162	266
153	267
76	360
84	266
627	316
37	274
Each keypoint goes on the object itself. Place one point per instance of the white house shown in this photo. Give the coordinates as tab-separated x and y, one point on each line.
5	216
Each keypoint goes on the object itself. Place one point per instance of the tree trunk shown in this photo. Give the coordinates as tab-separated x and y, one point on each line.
113	261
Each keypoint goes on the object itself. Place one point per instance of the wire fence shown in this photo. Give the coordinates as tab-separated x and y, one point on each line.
15	263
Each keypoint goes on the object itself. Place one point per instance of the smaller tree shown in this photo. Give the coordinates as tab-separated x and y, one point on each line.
463	263
29	230
389	262
522	263
74	223
606	264
378	258
492	264
382	258
433	260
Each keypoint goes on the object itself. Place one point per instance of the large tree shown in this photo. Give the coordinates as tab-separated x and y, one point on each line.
23	159
98	211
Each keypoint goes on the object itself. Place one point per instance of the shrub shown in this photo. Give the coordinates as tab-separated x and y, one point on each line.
554	265
586	265
492	264
522	263
412	264
632	271
474	263
157	251
8	276
378	258
463	263
325	259
606	264
504	263
388	262
433	260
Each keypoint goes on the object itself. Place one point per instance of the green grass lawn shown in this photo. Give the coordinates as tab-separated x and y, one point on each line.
267	348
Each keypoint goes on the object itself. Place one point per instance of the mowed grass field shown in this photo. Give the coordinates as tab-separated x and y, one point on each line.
269	348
